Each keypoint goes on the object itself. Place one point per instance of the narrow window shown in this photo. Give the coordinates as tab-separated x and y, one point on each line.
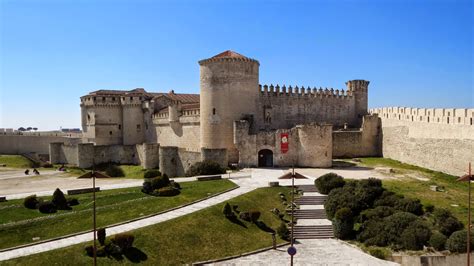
94	98
131	98
103	99
213	111
120	127
428	119
448	120
459	120
113	99
438	119
421	118
88	118
146	126
139	128
110	133
471	121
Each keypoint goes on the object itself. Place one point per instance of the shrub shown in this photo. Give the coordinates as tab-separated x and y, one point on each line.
175	184
343	224
328	182
205	168
445	222
372	232
283	232
415	236
245	216
112	249
123	240
114	171
31	202
100	252
60	200
147	187
47	207
457	242
395	224
227	211
379	253
379	212
388	198
438	241
151	173
254	215
101	235
410	205
72	202
167	191
160	182
429	208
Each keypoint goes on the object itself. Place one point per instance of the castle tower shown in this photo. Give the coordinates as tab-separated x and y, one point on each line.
229	92
359	89
134	126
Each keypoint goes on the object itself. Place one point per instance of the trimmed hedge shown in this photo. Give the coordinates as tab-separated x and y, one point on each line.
151	173
60	200
114	171
445	222
283	232
123	240
438	241
167	191
31	202
416	235
101	236
343	224
47	207
205	168
457	242
328	182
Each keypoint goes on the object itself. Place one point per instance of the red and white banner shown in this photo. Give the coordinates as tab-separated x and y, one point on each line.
284	142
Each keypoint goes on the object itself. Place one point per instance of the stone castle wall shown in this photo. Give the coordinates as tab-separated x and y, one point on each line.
20	144
309	145
184	133
175	161
363	142
438	139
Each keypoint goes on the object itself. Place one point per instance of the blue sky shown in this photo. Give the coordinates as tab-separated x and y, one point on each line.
415	53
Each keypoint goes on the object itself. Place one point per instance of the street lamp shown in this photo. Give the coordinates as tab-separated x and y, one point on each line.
468	178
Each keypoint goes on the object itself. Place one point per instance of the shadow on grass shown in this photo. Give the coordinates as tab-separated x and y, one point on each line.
135	255
264	227
236	220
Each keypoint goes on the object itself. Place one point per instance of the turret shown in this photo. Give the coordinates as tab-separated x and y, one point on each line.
359	89
229	92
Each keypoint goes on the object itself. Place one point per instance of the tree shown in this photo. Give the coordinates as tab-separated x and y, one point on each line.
29	128
21	129
35	128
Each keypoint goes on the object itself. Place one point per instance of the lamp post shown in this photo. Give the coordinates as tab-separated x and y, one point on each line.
468	178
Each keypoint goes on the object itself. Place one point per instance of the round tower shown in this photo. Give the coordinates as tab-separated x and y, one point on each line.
229	92
359	89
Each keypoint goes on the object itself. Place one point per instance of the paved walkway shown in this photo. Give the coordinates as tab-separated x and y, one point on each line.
311	252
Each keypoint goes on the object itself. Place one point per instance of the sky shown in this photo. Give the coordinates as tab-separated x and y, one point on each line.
414	53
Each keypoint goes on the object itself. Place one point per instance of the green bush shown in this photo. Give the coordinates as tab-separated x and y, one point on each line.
438	241
31	202
328	182
151	173
378	212
429	208
379	253
101	236
227	211
343	224
47	207
175	184
410	205
160	182
388	198
123	240
372	233
395	224
283	232
167	191
205	168
416	235
457	242
72	202
445	222
147	187
114	171
60	200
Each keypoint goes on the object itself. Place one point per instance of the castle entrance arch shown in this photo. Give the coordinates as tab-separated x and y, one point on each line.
265	158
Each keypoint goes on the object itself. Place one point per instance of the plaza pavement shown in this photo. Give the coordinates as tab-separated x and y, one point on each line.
311	252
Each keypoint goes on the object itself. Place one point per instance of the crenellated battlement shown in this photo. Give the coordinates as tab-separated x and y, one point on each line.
270	90
427	115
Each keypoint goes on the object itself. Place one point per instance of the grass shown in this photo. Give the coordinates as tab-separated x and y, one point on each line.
202	235
19	225
456	193
15	161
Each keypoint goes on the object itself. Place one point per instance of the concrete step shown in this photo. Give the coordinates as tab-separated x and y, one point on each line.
307	188
313	232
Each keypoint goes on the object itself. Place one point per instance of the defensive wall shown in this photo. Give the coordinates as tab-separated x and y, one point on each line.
438	139
182	132
284	107
309	145
13	143
85	155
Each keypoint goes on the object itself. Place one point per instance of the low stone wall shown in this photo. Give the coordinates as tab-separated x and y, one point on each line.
175	161
20	144
432	260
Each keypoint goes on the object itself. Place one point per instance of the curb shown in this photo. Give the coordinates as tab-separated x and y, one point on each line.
240	255
120	223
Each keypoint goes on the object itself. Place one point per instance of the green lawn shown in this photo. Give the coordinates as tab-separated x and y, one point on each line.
15	161
199	236
456	193
19	225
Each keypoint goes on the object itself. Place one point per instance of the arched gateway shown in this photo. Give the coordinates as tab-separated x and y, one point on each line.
265	158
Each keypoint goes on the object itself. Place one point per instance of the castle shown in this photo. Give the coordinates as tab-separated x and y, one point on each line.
232	120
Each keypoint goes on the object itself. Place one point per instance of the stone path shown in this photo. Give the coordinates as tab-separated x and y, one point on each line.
311	252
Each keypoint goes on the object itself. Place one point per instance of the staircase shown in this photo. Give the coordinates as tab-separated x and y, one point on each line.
314	230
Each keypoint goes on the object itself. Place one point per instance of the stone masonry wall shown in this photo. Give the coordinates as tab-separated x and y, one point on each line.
175	162
18	144
414	135
183	134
